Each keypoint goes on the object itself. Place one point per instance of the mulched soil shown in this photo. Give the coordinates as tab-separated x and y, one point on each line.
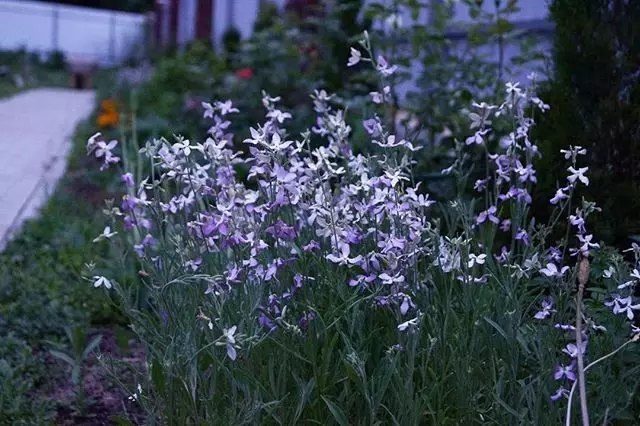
106	397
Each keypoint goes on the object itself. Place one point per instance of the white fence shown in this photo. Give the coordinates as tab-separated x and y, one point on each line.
106	37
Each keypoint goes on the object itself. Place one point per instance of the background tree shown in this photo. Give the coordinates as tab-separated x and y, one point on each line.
595	96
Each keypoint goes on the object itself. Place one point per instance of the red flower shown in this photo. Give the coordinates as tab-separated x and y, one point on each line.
244	73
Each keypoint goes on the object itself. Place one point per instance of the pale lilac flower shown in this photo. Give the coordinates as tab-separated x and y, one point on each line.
573	151
343	258
354	58
586	243
477	137
523	236
373	127
473	259
623	306
505	226
490	214
547	309
608	273
480	184
555	254
127	178
378	98
578	221
565	327
572	349
526	173
384	68
560	393
226	107
503	257
551	270
278	116
578	175
565	371
208	110
101	281
230	342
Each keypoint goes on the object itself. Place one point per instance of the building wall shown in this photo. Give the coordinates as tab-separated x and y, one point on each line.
106	37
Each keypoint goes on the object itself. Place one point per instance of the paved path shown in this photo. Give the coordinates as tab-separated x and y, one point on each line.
36	128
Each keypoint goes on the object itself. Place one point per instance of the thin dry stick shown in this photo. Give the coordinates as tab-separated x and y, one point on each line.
583	277
634	339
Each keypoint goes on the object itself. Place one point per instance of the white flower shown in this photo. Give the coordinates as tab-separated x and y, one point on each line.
106	234
230	342
134	396
100	280
551	270
354	58
405	325
473	259
578	175
608	273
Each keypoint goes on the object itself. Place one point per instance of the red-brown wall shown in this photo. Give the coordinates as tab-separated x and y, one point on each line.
204	13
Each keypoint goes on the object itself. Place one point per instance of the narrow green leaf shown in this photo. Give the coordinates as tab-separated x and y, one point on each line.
336	412
496	327
93	344
157	376
62	356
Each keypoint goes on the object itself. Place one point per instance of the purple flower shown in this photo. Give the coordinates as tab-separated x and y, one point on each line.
565	371
503	257
554	254
488	214
281	230
523	236
572	349
303	323
560	195
313	245
384	68
480	185
372	126
505	226
561	392
127	178
547	309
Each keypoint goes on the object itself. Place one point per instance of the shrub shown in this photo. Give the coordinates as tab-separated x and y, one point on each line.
329	288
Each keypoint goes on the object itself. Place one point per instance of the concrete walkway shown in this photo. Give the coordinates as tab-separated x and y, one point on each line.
36	128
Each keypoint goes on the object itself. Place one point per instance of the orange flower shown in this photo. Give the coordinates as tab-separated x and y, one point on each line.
109	114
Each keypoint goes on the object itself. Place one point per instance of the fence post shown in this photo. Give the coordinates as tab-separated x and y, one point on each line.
55	28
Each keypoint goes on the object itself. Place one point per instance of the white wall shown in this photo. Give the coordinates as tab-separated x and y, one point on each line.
244	15
103	36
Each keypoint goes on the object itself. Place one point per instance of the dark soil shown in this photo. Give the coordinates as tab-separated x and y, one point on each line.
105	398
